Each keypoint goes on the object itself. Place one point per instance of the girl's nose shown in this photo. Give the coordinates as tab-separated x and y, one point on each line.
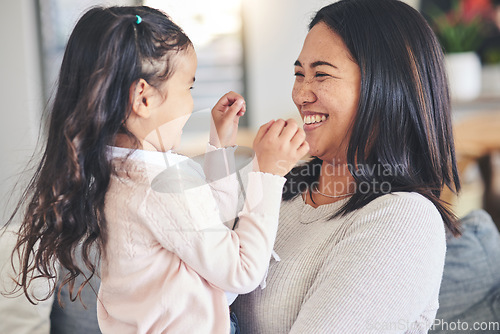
303	94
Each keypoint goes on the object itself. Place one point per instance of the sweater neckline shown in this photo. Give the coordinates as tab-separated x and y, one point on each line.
310	214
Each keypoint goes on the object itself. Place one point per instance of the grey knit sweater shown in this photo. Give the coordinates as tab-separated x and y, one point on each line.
377	270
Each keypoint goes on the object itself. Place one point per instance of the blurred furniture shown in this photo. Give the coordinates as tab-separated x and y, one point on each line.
76	317
477	139
470	289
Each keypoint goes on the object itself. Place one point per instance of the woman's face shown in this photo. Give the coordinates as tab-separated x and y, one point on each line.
326	93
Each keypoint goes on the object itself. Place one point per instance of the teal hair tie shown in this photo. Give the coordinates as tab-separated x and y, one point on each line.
139	19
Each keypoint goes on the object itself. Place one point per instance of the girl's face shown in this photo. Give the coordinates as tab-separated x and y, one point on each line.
169	116
326	93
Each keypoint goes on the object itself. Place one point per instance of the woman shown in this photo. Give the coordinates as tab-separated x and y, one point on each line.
362	229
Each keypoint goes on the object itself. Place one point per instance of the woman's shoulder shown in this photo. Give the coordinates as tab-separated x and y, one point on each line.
402	201
402	210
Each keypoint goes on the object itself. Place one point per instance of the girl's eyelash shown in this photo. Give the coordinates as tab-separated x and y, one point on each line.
298	74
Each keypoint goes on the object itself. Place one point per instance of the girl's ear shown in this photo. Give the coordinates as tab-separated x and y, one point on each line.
139	98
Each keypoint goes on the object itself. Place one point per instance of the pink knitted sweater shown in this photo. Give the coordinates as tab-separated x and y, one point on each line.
169	258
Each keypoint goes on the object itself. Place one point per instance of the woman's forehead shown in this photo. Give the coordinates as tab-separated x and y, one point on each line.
323	44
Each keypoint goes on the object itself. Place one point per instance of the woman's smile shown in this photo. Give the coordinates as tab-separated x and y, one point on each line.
313	120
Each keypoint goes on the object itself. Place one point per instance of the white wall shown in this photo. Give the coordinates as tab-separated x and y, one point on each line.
274	33
20	93
21	96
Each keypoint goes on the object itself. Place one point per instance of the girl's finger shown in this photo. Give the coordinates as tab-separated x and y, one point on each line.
237	107
242	110
263	130
289	130
303	148
276	128
229	98
299	137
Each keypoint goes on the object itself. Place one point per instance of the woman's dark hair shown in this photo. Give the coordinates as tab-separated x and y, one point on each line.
108	51
401	137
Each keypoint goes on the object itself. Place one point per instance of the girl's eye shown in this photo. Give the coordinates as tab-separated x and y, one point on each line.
298	74
319	75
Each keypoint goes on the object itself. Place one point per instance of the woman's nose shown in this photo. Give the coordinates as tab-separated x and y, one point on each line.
303	93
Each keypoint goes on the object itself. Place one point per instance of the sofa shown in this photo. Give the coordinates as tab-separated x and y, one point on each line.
470	290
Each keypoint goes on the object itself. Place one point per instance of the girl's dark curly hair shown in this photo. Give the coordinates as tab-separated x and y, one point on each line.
108	51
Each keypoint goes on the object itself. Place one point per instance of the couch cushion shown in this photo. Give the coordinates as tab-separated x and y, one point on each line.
472	267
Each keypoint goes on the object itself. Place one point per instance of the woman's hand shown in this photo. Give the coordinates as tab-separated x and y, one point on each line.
279	145
225	117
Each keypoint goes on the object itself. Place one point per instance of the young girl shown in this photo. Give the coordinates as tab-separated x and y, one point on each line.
165	256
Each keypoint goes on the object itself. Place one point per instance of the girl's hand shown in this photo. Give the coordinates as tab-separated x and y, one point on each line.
225	117
279	145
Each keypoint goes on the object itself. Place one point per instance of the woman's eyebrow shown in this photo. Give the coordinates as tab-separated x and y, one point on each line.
320	63
316	64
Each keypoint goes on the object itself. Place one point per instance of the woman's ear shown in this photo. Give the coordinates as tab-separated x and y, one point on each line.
139	98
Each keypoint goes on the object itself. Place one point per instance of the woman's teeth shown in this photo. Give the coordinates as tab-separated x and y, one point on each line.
314	119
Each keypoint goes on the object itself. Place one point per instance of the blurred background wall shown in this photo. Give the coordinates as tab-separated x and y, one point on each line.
21	91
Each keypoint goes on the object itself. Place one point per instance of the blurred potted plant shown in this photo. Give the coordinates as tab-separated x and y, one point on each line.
461	31
490	57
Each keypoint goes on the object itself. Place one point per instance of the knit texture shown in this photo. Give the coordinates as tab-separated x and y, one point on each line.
169	258
376	270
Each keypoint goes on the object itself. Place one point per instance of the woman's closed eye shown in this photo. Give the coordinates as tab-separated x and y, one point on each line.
324	75
321	75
